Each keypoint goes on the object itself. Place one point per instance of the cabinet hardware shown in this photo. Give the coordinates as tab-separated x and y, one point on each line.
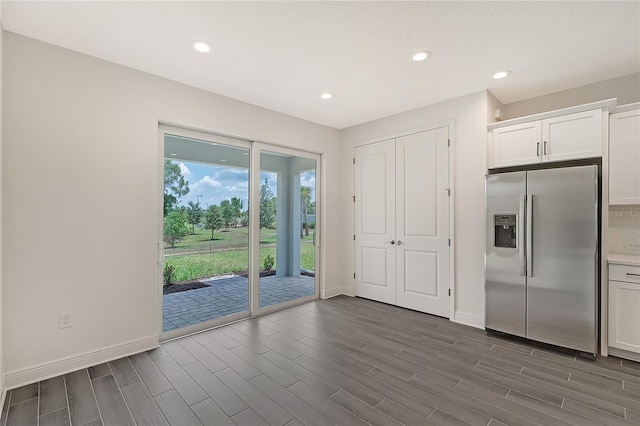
538	149
632	274
545	148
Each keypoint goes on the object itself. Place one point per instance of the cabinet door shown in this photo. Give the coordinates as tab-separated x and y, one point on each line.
624	316
572	136
624	158
516	145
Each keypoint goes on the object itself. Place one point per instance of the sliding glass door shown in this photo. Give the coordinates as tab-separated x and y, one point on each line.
287	227
205	265
239	230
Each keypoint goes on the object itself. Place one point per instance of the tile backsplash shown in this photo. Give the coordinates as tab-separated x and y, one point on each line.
624	230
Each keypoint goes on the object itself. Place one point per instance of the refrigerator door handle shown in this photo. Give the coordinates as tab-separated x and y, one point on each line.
529	236
521	239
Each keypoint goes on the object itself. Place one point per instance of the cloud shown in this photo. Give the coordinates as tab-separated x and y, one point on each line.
204	184
185	171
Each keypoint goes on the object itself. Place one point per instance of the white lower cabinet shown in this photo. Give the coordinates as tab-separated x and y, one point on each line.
624	310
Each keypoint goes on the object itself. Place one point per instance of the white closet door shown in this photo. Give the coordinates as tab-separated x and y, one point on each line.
422	222
375	221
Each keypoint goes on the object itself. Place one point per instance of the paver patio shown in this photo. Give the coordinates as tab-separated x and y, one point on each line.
229	295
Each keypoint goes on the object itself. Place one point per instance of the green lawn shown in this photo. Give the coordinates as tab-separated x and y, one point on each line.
222	240
192	258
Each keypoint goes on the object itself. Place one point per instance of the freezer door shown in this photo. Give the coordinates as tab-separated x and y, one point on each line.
561	287
505	291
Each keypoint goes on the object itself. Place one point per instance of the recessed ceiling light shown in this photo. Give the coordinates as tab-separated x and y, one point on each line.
213	143
223	160
326	95
245	153
173	155
201	46
421	55
501	74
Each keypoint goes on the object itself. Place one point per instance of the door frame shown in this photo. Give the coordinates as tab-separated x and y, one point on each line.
255	148
452	144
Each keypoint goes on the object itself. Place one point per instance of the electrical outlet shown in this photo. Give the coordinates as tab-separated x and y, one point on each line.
64	320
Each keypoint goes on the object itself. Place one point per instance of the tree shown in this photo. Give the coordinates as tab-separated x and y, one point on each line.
305	203
228	216
175	228
237	205
267	206
175	185
213	219
193	213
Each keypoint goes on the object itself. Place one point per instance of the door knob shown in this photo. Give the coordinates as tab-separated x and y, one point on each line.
399	242
393	242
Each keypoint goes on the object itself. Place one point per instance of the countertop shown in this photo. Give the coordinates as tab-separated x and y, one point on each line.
624	259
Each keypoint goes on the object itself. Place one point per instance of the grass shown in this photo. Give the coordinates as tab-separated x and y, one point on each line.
227	259
222	240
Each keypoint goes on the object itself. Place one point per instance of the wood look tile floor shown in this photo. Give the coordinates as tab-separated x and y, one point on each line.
343	361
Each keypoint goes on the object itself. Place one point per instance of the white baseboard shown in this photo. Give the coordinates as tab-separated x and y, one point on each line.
621	353
24	376
468	319
333	292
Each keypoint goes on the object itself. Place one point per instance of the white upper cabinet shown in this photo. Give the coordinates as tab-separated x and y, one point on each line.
572	136
569	134
516	145
624	158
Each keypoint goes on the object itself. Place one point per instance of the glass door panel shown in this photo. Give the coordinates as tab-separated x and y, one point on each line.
287	228
205	233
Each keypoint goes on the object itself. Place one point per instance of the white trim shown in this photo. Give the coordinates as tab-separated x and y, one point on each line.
621	353
335	291
3	396
452	222
406	132
625	108
608	103
603	240
468	319
43	371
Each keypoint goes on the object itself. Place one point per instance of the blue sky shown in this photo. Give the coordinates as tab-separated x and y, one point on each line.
209	184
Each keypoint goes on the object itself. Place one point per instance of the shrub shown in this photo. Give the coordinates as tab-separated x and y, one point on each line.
167	274
268	262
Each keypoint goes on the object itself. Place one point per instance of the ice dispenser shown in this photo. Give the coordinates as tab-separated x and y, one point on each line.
505	230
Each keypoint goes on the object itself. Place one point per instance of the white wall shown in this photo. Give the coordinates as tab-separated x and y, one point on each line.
469	152
80	187
626	89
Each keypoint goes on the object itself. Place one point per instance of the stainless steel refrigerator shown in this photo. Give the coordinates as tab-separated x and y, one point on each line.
541	259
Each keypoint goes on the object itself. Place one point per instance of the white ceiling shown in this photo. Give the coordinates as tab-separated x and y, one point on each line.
283	55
